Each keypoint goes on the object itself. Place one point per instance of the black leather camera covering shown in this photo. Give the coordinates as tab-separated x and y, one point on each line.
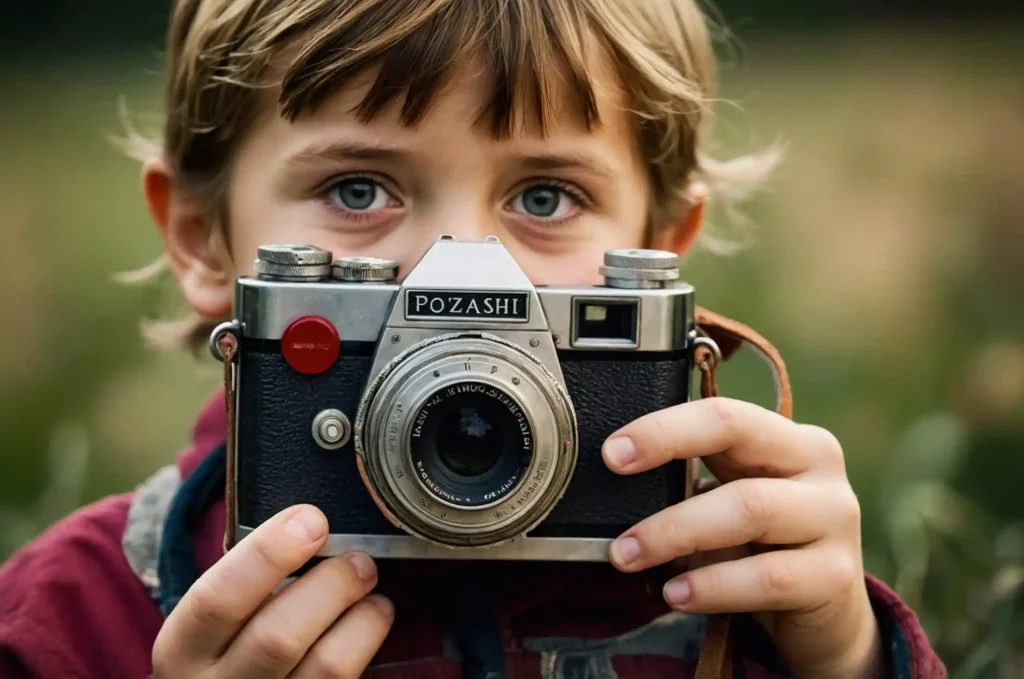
608	392
279	463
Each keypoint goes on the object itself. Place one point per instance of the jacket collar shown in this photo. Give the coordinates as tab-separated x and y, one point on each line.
209	431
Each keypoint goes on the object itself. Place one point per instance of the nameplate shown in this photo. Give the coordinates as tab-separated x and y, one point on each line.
512	307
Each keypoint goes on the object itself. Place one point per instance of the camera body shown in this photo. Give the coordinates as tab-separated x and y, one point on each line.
459	413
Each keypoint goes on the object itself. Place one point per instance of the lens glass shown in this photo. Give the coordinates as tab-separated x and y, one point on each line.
471	444
469	439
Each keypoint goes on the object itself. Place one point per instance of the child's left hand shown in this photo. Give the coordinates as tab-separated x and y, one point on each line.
784	486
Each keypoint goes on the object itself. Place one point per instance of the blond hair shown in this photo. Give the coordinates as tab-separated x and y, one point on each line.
224	55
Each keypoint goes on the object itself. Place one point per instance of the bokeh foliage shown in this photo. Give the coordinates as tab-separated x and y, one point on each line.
885	263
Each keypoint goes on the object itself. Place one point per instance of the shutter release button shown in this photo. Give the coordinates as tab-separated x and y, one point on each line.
310	345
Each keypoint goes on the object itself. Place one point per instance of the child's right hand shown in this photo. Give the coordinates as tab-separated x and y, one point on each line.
322	625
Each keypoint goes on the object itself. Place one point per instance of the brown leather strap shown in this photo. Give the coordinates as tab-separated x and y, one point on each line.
228	349
730	335
716	661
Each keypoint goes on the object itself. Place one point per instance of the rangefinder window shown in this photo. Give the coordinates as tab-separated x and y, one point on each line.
606	323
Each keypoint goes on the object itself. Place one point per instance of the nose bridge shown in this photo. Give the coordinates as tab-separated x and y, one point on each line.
459	216
463	210
464	228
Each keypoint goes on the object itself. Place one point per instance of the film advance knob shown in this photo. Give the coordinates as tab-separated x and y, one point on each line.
292	261
294	255
365	270
634	268
641	259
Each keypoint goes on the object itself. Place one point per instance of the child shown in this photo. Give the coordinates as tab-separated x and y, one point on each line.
565	128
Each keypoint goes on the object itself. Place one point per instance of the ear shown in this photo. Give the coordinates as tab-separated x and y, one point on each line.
195	250
681	236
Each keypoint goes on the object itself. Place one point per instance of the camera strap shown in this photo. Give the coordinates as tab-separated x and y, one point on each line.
730	336
228	348
716	654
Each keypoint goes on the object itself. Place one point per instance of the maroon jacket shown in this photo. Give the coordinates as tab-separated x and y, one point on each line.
72	605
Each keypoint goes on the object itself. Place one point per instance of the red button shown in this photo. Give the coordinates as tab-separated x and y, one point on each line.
310	345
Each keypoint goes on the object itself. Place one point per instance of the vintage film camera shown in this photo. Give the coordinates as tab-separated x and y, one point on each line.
459	413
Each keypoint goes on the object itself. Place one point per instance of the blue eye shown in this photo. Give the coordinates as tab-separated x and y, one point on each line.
360	194
544	202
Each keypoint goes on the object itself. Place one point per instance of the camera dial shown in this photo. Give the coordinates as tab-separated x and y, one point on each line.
640	269
292	262
365	270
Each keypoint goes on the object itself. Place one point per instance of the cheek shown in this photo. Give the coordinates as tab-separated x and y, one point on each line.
258	218
580	267
581	264
254	219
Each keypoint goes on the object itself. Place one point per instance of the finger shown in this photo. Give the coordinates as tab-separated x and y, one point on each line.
784	580
214	609
346	649
275	640
757	441
767	511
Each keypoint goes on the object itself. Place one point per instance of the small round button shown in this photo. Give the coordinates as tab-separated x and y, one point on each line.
331	429
310	345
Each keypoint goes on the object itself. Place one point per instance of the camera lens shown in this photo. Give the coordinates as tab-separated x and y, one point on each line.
471	444
468	442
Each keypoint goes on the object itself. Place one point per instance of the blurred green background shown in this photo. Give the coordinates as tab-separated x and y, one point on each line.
886	261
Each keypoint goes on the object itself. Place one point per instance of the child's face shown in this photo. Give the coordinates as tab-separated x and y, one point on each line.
557	201
386	190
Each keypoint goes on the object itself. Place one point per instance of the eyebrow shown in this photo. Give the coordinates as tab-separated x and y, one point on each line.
564	161
348	150
355	150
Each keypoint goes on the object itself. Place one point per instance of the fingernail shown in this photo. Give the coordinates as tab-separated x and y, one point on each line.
365	568
625	550
620	451
383	605
677	592
307	524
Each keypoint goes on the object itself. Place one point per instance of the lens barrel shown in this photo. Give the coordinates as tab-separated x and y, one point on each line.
467	440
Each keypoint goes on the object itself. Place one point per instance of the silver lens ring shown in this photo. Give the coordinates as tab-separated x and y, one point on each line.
387	417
